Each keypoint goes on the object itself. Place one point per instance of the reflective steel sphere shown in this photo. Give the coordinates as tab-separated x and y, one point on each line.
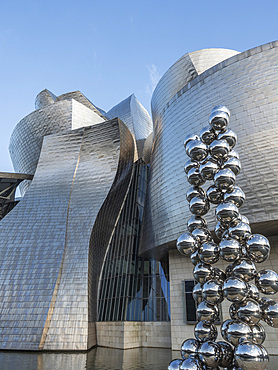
233	311
224	179
235	289
191	364
204	332
249	312
253	292
224	328
221	108
195	191
196	221
189	164
174	364
226	212
186	244
249	356
219	149
209	252
230	136
258	248
218	120
215	195
233	164
210	353
219	230
199	206
194	177
208	168
240	232
238	331
265	354
244	219
207	312
244	269
197	150
234	154
270	313
197	293
202	272
235	196
230	249
212	291
227	356
189	347
202	235
258	333
189	138
207	135
267	281
194	257
218	275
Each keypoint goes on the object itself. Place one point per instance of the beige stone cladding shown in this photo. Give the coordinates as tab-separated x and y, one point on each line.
133	334
181	268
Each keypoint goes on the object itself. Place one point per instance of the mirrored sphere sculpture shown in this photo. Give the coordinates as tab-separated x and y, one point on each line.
253	292
204	332
197	150
207	312
189	164
221	108
210	353
194	258
238	331
196	222
235	196
226	212
235	289
258	248
186	244
267	281
233	154
199	206
224	328
207	135
175	364
270	313
219	230
195	191
219	119
258	333
197	293
233	164
215	195
240	232
189	138
227	355
212	291
209	252
219	149
189	347
191	364
202	235
233	311
194	177
208	168
224	179
249	356
229	249
202	272
249	311
244	269
218	275
230	136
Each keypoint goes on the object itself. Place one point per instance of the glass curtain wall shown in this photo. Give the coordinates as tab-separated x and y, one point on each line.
132	288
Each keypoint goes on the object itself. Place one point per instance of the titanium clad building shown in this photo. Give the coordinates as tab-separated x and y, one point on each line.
88	255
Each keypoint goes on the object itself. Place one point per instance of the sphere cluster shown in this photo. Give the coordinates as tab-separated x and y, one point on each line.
212	158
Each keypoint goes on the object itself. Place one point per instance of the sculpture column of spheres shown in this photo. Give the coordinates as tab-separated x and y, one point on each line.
213	158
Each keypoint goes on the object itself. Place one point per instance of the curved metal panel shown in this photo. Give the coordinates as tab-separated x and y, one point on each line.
44	98
247	84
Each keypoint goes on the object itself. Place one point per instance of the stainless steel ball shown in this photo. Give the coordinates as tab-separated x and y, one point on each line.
175	364
197	293
195	191
199	206
244	269
249	356
233	154
191	364
238	331
212	292
244	219
240	232
189	138
202	235
208	168
207	135
218	275
224	328
253	292
215	195
235	289
197	150
194	257
226	212
202	272
224	179
249	312
233	164
235	196
227	356
221	108
204	332
194	177
219	230
233	311
189	347
267	281
196	222
270	313
265	354
210	353
219	149
230	250
209	252
189	164
207	312
258	248
230	136
258	333
218	120
186	244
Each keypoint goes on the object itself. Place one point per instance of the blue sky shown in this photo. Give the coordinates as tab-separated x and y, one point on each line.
111	49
